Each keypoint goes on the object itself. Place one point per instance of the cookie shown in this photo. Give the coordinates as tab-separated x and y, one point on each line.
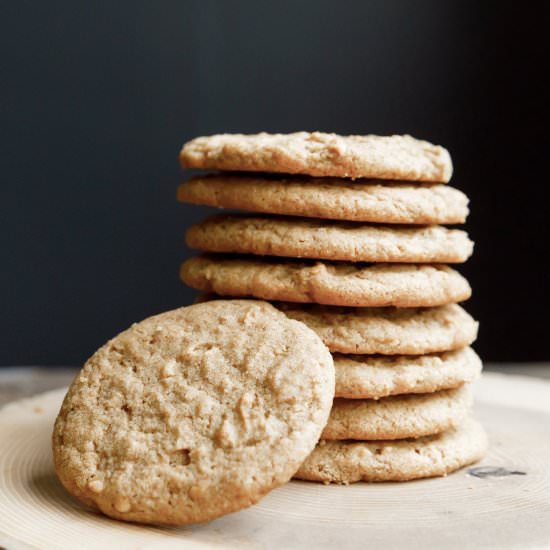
194	413
320	154
399	416
376	376
435	455
330	283
387	331
329	240
330	198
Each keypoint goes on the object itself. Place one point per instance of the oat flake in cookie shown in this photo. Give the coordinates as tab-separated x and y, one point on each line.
194	413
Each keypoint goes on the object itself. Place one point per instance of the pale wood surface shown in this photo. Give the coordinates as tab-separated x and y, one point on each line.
504	505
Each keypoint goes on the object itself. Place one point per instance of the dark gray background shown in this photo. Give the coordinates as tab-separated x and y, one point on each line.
97	98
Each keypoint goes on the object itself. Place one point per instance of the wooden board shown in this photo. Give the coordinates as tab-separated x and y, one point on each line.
507	505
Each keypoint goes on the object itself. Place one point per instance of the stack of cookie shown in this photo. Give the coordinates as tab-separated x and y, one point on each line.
347	237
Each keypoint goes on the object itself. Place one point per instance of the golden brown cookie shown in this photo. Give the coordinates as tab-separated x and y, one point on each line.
398	416
330	198
329	240
320	154
435	455
194	413
376	376
330	283
388	330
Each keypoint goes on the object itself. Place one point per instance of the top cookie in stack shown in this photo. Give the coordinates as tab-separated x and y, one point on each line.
348	232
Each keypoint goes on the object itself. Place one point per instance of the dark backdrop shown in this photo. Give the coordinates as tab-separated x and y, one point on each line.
97	98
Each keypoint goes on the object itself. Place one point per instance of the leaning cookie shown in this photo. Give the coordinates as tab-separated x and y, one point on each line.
194	413
330	198
329	283
320	154
329	240
436	455
376	376
399	416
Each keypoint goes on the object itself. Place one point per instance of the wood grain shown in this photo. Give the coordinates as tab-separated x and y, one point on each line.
502	507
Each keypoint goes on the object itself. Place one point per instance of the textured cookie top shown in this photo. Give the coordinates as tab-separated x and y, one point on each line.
329	240
399	416
376	376
388	331
194	413
330	198
434	455
330	283
320	154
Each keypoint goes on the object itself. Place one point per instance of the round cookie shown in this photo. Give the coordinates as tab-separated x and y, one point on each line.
339	284
320	154
193	413
330	198
387	331
329	240
376	376
399	416
435	455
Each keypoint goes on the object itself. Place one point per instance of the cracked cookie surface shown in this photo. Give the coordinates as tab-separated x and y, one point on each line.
321	154
194	413
328	283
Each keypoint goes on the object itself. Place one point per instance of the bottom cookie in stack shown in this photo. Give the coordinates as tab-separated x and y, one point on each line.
401	460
